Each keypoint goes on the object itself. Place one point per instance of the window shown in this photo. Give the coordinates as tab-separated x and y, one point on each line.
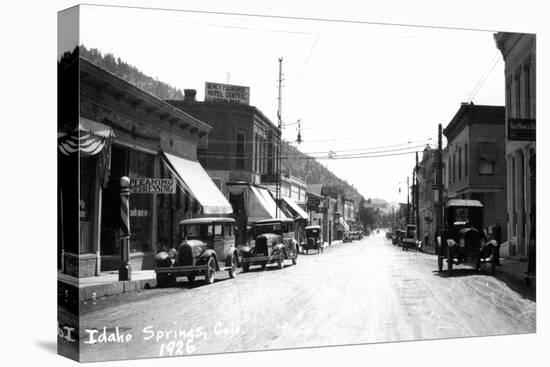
486	158
527	83
517	95
218	230
466	162
239	163
459	164
486	168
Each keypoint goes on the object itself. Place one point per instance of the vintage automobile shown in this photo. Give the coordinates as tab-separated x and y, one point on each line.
346	237
273	242
314	239
208	245
410	241
398	237
463	239
389	234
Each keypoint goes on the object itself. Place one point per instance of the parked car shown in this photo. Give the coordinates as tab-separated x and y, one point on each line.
399	236
410	241
314	239
389	234
208	245
463	239
346	237
274	242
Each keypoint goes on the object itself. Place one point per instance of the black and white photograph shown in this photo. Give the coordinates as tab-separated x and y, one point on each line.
292	181
215	194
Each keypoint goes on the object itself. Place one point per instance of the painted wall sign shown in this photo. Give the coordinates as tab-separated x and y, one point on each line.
521	129
152	186
216	92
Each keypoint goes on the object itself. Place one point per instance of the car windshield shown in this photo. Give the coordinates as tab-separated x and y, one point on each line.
267	228
462	216
197	230
312	232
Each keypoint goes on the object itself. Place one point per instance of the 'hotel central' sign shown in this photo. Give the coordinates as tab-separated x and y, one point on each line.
216	92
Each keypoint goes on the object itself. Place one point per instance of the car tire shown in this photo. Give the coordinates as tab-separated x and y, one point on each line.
210	271
280	262
162	280
450	260
234	264
494	260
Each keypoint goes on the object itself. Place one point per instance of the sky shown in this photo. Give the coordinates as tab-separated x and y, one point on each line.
354	87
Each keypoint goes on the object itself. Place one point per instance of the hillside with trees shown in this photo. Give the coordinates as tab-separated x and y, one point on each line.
299	164
131	74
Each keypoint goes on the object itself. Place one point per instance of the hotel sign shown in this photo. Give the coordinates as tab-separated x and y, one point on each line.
152	186
216	92
521	129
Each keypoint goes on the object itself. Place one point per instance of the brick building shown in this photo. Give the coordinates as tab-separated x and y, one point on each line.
476	167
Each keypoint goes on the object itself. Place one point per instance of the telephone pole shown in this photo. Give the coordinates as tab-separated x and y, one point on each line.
279	146
439	180
407	221
417	201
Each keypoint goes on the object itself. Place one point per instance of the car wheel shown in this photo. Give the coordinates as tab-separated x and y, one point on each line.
246	266
162	280
233	269
295	258
210	271
191	278
450	260
280	261
494	260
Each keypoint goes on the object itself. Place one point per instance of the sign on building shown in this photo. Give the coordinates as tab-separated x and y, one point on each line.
269	178
152	185
216	92
521	129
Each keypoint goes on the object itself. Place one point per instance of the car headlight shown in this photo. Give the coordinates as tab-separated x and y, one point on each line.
197	251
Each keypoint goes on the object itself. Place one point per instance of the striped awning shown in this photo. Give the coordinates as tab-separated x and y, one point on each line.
344	224
195	182
299	213
88	138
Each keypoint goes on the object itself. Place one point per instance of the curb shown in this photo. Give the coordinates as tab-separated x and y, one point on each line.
102	290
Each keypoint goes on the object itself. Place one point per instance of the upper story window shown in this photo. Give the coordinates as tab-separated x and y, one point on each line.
486	158
527	87
239	163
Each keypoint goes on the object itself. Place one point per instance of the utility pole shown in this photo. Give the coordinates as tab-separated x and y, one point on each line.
279	146
408	205
417	201
439	182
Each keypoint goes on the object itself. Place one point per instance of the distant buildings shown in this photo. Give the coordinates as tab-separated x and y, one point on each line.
519	54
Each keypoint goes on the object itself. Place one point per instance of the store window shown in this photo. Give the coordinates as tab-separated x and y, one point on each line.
87	202
134	164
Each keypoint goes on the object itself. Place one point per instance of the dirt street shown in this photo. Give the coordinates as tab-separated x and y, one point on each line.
361	292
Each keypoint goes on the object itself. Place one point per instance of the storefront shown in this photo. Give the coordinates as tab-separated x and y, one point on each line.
251	203
124	131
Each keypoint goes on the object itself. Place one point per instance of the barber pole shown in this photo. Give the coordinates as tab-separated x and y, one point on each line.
125	271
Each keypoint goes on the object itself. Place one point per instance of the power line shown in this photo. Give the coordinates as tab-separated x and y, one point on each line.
484	77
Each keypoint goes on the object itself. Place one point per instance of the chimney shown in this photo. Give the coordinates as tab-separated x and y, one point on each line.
189	95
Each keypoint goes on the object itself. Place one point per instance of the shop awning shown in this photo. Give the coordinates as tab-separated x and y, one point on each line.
344	224
260	205
88	138
193	179
295	208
